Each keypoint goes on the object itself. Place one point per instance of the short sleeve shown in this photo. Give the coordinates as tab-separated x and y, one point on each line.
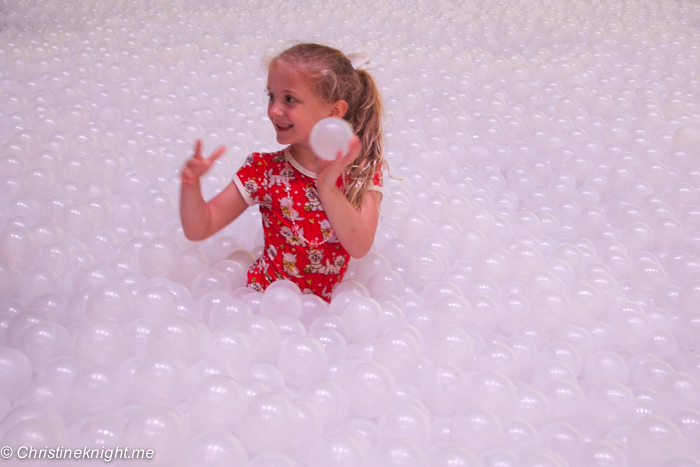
378	180
251	178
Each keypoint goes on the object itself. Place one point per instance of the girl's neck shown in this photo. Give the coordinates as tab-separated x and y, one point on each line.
306	158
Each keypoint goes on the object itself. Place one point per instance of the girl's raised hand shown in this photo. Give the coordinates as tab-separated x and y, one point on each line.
198	165
335	168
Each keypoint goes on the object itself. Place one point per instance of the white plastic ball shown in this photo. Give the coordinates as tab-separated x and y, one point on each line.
400	352
159	428
216	404
270	422
370	388
344	448
302	359
111	302
216	448
161	379
101	343
362	318
476	430
444	388
609	405
280	302
263	335
175	336
329	136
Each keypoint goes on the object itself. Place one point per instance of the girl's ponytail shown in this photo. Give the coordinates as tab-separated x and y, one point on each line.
367	121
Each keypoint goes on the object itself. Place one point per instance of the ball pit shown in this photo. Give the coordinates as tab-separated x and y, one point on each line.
532	297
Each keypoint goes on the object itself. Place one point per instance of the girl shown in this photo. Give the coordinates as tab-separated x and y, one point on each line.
316	213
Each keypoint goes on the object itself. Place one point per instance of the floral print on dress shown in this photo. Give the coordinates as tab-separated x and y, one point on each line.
316	269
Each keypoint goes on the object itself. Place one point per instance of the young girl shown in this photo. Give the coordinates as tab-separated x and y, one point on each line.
316	213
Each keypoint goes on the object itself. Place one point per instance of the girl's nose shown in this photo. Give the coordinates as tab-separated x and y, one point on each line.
275	109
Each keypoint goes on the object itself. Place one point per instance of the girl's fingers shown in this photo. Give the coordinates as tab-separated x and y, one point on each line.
353	153
216	154
198	149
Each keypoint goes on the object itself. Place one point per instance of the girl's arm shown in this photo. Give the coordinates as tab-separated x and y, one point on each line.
201	219
354	228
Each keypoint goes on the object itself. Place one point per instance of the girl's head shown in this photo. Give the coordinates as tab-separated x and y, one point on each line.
333	80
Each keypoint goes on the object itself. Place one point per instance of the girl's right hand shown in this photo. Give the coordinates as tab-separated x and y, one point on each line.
198	165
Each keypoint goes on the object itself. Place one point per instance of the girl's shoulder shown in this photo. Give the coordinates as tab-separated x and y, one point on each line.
265	158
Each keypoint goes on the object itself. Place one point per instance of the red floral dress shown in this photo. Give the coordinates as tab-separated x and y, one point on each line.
311	257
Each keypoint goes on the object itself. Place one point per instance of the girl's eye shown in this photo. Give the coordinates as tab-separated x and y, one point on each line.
291	99
270	96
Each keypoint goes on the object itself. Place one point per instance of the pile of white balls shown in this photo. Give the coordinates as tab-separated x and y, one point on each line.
532	297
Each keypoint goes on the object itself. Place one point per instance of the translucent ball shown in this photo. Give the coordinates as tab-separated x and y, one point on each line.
443	388
650	439
112	302
606	366
400	352
302	359
370	388
16	247
638	236
493	392
209	281
270	422
550	310
160	379
677	391
209	449
499	357
523	260
175	336
609	405
156	303
280	302
18	370
310	427
566	400
686	329
446	455
98	389
159	257
340	448
330	401
101	343
532	406
329	136
216	404
407	420
452	345
631	330
362	318
424	267
272	459
160	428
264	336
228	311
476	430
398	450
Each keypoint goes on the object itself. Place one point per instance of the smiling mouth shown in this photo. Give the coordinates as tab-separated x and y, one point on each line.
282	127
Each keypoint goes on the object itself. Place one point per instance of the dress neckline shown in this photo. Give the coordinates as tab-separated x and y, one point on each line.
288	156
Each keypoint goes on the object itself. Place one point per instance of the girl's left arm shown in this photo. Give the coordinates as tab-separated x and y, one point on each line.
354	228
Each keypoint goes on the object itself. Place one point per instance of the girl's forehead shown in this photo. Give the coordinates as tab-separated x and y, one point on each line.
281	74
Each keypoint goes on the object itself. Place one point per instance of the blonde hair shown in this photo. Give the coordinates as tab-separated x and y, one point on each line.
333	78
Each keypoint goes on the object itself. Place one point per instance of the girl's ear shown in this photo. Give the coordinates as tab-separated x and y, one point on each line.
338	108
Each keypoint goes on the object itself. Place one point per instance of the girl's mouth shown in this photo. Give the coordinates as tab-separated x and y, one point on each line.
282	127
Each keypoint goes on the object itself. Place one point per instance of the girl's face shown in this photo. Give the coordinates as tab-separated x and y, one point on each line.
293	107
